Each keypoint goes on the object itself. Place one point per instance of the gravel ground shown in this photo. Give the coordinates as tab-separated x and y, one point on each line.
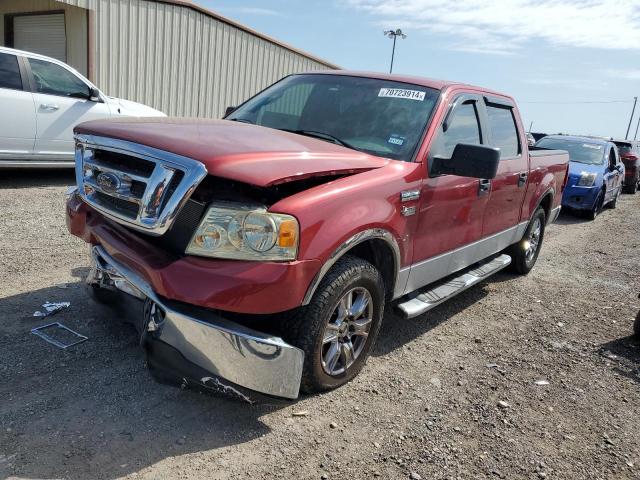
452	394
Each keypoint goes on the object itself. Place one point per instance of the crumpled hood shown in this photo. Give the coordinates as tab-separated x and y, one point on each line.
237	151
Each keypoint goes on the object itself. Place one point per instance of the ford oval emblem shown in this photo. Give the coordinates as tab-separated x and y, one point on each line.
109	182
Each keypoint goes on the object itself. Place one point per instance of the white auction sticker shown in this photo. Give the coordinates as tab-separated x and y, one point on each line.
401	93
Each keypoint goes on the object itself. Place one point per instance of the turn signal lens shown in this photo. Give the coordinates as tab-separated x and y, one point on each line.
288	234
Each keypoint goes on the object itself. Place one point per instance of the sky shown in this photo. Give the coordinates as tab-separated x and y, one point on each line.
573	66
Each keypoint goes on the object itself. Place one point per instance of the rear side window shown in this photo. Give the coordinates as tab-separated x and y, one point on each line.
463	127
503	131
56	80
10	72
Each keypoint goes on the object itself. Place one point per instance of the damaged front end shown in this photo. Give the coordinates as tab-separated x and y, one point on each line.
197	346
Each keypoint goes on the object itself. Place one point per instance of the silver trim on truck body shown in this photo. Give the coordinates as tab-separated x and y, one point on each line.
157	207
230	351
435	268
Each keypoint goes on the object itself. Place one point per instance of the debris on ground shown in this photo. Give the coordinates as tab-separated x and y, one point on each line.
51	308
59	335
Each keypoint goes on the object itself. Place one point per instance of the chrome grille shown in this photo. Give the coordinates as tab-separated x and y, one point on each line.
138	186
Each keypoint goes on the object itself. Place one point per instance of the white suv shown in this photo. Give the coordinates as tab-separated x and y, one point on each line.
41	100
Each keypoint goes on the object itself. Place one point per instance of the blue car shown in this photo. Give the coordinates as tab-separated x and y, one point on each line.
596	172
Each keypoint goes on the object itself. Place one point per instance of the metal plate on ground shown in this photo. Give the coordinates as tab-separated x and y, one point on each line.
59	335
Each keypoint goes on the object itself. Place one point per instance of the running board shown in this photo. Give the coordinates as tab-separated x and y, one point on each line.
429	298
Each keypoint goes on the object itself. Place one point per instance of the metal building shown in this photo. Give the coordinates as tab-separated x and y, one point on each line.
170	54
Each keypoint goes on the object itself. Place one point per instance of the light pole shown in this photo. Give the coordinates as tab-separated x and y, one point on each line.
635	100
394	34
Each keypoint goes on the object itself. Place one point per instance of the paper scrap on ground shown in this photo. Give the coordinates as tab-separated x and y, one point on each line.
51	308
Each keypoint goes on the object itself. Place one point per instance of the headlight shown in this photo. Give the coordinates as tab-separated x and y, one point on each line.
245	233
587	179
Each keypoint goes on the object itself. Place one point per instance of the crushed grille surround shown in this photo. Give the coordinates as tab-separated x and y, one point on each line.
137	186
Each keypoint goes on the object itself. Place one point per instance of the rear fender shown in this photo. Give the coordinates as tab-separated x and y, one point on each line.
546	185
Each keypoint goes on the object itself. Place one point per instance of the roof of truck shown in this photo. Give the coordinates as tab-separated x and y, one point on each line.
422	81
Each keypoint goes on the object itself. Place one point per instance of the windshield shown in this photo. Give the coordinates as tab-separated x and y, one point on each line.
579	151
379	117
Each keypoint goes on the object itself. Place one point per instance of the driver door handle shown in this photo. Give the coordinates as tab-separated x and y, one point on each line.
484	186
49	106
522	178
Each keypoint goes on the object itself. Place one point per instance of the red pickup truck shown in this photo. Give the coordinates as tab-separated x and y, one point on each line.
262	249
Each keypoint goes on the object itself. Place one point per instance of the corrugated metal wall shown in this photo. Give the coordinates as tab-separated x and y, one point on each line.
182	61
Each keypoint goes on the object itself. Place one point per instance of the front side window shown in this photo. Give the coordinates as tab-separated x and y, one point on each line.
379	117
503	131
10	72
579	151
462	127
53	79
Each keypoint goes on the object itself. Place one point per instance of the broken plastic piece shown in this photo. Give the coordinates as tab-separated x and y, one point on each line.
64	336
51	308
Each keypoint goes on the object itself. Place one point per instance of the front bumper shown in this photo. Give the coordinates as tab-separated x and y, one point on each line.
199	345
244	287
580	198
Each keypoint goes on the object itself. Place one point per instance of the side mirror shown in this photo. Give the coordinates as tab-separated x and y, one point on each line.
229	110
94	94
475	161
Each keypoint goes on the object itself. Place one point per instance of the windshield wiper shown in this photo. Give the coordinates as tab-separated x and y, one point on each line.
321	135
242	120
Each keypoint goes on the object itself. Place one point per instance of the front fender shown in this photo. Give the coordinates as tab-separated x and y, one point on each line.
336	216
350	243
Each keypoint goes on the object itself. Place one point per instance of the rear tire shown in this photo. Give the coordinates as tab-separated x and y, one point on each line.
336	340
525	253
633	188
636	326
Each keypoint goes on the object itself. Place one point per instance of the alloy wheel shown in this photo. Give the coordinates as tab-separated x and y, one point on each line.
533	240
346	332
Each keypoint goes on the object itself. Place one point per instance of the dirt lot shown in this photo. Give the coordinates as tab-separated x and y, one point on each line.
425	406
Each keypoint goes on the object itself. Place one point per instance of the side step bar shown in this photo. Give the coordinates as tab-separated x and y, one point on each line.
434	295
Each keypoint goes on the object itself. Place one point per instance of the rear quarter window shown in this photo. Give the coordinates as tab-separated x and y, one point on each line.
10	72
503	131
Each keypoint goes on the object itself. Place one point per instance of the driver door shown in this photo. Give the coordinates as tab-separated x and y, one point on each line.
451	207
61	101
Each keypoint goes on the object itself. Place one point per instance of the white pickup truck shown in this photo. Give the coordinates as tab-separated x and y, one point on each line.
41	100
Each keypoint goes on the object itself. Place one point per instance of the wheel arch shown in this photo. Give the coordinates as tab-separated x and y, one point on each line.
546	202
378	246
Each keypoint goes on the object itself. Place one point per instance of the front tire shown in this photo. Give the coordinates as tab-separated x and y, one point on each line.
636	326
338	328
597	207
525	253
